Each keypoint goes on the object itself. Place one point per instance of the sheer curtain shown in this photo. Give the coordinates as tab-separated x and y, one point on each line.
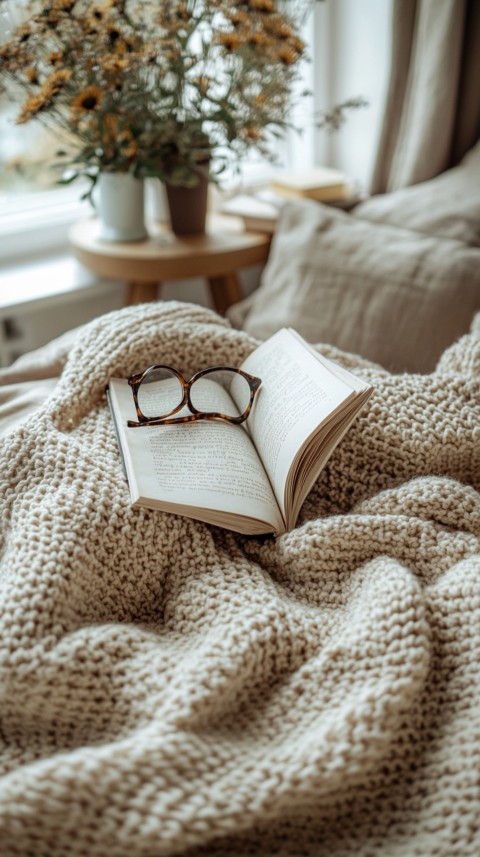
432	114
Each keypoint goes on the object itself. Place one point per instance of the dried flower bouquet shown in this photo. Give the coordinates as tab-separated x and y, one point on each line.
155	88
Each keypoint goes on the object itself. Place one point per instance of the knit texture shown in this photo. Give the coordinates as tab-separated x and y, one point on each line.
170	688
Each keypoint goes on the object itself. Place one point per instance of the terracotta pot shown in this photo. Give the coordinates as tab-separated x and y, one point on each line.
188	207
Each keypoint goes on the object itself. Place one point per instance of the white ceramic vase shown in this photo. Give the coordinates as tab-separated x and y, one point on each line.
120	206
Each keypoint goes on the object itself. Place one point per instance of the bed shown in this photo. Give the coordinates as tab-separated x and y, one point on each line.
172	688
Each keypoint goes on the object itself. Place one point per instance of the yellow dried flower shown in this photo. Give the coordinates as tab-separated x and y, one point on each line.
98	13
279	27
262	5
182	12
238	17
113	65
57	80
32	75
24	32
43	99
297	44
52	18
113	33
286	54
229	41
64	5
88	100
259	39
31	108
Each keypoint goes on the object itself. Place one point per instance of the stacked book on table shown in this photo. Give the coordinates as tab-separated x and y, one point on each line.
259	209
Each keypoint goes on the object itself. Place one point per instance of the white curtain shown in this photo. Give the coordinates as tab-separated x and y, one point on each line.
432	115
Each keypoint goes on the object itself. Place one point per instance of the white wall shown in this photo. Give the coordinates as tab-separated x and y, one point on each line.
352	53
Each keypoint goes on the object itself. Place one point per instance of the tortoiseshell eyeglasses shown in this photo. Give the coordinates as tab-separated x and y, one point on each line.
218	393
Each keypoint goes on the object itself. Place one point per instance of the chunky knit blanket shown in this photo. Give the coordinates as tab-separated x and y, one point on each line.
170	688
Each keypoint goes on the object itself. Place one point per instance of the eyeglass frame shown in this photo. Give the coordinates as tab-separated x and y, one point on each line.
136	380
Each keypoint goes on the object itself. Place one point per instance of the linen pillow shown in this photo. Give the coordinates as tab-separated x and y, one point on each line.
393	296
448	205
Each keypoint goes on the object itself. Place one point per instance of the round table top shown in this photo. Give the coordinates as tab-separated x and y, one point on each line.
224	248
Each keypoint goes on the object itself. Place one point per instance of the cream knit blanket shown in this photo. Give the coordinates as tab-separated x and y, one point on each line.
171	688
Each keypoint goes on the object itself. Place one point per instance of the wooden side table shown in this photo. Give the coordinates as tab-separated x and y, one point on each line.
217	256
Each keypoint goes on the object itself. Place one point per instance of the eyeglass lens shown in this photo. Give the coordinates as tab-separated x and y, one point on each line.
220	390
159	393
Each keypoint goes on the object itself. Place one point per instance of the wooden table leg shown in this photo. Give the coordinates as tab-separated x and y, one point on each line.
225	291
139	293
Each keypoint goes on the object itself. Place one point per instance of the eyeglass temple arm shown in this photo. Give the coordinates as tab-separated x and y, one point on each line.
166	421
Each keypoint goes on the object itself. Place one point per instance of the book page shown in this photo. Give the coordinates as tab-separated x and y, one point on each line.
297	395
210	464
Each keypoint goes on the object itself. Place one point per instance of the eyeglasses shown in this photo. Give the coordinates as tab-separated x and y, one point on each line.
161	391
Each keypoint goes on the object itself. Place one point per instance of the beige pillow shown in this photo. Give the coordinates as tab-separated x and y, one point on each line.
448	205
391	295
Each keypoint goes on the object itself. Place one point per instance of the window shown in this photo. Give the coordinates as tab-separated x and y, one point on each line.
348	46
34	211
352	44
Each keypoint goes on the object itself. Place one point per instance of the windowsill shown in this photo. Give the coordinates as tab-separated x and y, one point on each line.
37	271
45	291
33	224
50	282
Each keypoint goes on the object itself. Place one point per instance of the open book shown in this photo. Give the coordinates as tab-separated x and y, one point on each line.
253	477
